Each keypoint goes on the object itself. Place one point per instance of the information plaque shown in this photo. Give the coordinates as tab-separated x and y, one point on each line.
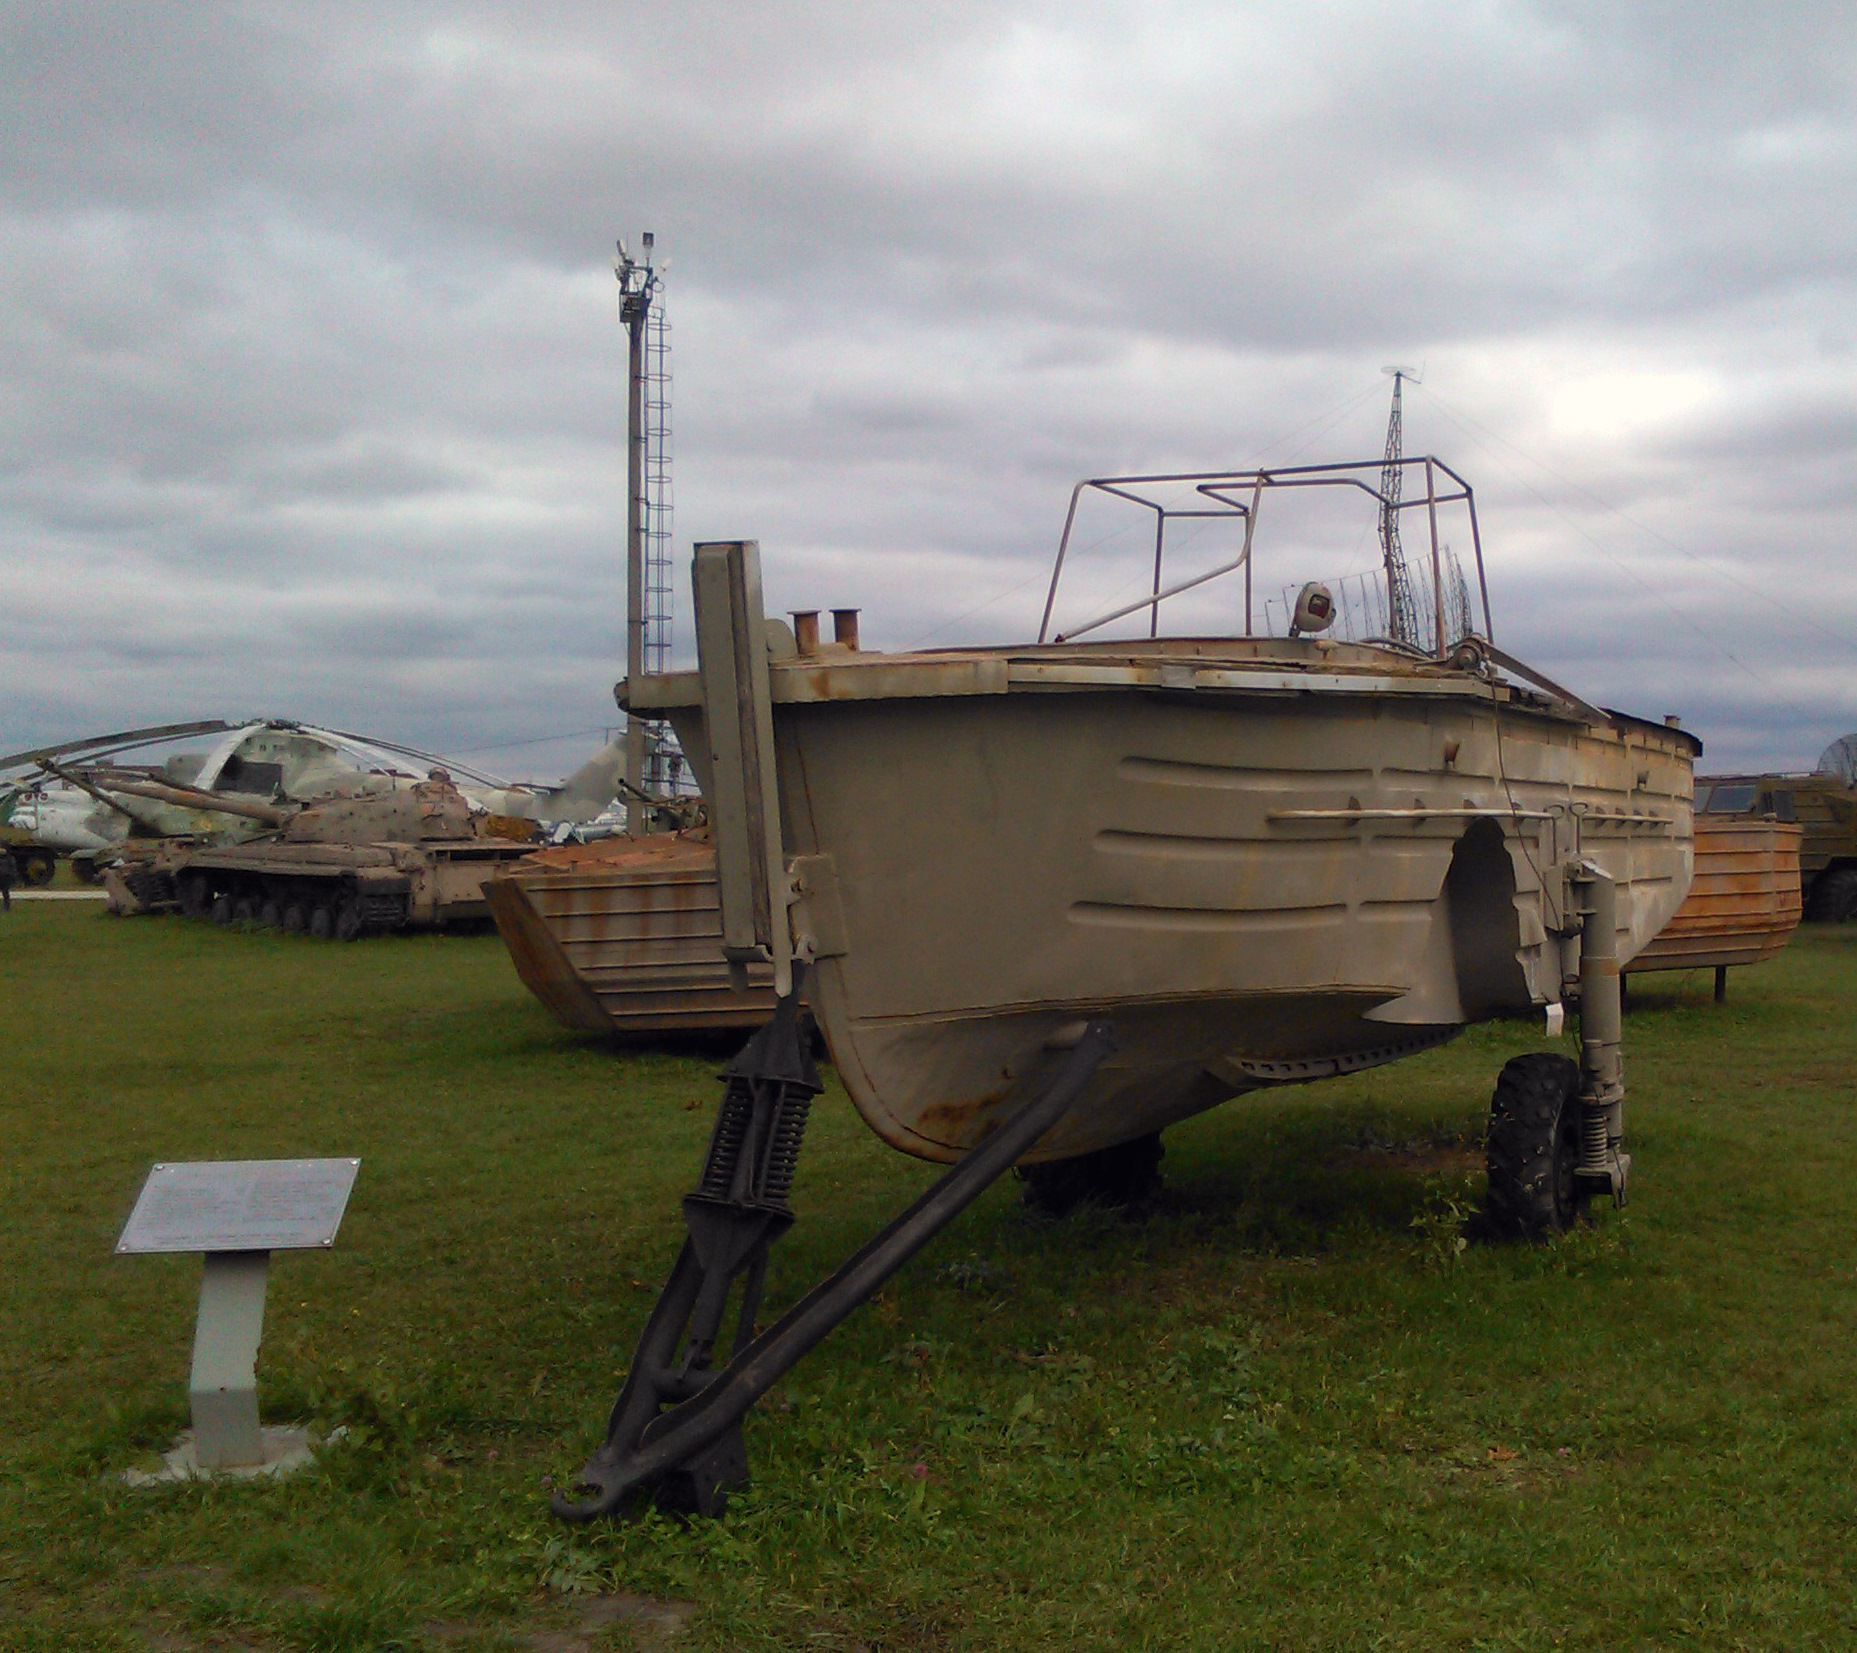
235	1212
240	1205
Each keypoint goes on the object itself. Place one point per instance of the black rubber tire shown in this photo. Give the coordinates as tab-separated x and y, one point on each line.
1123	1178
37	868
1834	897
322	921
1533	1145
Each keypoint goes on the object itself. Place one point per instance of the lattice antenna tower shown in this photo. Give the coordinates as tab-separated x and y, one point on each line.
665	770
653	762
1402	612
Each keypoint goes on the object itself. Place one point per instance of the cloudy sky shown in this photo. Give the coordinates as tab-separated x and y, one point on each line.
313	384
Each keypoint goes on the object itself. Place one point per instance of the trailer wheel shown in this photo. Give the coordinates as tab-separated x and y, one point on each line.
1533	1145
37	868
1834	897
293	919
322	921
1126	1177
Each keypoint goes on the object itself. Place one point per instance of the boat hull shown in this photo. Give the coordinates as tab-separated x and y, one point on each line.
1258	886
1743	902
625	936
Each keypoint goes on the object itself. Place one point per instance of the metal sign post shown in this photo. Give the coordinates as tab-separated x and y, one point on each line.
236	1213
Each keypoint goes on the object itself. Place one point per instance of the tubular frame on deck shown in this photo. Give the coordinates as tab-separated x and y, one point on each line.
1221	493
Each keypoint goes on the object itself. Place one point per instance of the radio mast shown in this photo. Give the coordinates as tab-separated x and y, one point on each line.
652	762
1402	620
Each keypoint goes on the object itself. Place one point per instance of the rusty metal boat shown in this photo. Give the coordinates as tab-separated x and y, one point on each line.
1048	899
624	935
1743	903
1269	858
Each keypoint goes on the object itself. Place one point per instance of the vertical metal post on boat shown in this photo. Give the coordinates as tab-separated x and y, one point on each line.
1602	1069
1437	572
1057	568
1476	545
1160	537
738	727
1250	528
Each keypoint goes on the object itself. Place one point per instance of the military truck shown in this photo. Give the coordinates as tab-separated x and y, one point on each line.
37	862
38	866
1824	805
343	869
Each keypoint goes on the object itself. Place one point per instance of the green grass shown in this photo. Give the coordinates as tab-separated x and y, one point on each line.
1287	1411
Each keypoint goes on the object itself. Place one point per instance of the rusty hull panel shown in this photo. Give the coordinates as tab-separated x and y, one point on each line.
1743	904
625	936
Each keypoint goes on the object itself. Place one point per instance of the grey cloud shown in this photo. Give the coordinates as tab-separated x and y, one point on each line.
314	391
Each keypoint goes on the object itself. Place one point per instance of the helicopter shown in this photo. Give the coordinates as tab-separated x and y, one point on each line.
86	798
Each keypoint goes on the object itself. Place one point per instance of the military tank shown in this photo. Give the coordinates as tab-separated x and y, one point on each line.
341	869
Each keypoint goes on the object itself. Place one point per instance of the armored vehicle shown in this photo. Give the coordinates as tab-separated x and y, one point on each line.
344	869
37	864
1824	805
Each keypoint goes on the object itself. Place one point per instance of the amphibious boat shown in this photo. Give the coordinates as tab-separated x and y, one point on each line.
1268	859
1046	900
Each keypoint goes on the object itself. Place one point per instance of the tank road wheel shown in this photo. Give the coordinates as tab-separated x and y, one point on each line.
322	921
269	915
245	911
1834	897
1123	1178
37	867
1533	1145
221	910
348	925
294	919
196	894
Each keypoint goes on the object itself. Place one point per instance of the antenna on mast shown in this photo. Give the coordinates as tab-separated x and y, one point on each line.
653	763
1402	612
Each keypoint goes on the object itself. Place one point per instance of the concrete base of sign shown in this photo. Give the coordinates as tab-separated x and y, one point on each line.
285	1449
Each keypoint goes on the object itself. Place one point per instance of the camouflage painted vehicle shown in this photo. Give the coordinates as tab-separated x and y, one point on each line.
37	864
344	869
1824	805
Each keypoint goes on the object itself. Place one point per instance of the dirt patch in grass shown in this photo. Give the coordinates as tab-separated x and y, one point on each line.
587	1624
